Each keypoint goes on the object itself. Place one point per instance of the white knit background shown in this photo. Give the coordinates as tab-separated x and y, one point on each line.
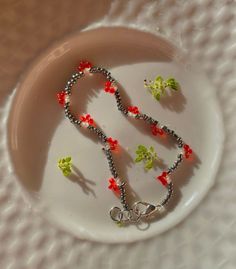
206	30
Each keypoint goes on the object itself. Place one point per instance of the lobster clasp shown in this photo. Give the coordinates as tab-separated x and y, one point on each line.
144	208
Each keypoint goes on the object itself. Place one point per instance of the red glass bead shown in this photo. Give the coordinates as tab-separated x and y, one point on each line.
156	130
109	88
84	65
61	97
82	118
164	174
113	143
187	151
113	186
163	178
112	90
107	84
133	109
90	121
87	118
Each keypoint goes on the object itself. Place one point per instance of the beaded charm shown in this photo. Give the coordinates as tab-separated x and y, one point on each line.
146	155
65	165
158	87
86	120
109	87
113	185
113	143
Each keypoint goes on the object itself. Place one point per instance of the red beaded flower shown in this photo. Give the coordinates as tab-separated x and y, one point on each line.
156	130
113	186
61	98
133	109
109	88
87	119
84	65
187	151
163	178
113	143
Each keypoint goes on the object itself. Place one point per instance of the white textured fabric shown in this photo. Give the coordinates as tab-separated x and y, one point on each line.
205	239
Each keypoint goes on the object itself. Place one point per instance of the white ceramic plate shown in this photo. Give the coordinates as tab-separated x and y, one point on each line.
206	238
42	135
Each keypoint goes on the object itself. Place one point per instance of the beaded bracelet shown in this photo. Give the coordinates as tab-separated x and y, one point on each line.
140	209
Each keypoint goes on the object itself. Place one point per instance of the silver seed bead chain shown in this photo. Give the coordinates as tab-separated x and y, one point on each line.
139	210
